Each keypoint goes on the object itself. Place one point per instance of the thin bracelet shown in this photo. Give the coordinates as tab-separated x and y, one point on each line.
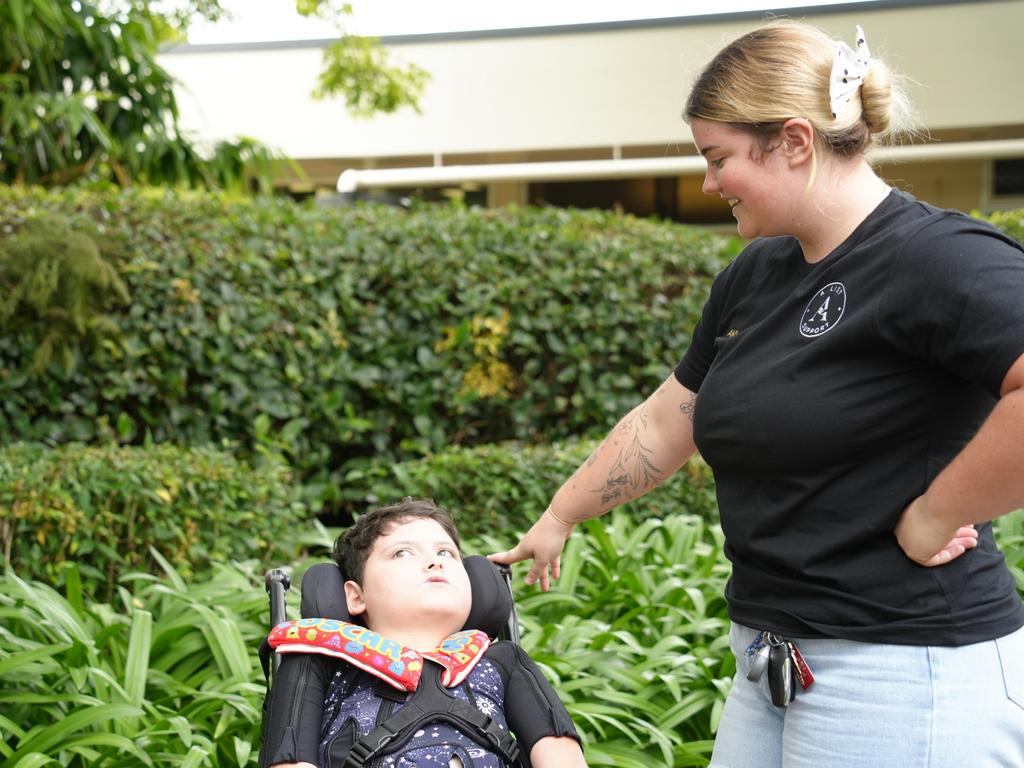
563	522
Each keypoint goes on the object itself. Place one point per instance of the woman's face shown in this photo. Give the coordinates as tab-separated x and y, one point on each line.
756	183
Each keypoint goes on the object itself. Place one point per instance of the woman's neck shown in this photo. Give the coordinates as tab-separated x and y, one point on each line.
843	196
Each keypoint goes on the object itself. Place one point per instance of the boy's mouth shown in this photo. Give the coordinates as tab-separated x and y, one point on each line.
436	580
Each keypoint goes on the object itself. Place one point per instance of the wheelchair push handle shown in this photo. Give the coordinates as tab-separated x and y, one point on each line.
512	627
277	582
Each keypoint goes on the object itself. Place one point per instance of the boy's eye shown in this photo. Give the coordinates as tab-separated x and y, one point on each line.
447	552
403	552
716	163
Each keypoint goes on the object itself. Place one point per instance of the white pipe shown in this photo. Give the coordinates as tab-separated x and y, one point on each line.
961	150
352	179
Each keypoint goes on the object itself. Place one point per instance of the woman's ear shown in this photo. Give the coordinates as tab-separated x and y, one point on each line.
354	598
796	139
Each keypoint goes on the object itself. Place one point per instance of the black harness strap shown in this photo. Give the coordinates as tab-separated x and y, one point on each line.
430	704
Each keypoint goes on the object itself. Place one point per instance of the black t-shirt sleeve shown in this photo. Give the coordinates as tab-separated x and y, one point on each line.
295	709
532	708
955	297
692	369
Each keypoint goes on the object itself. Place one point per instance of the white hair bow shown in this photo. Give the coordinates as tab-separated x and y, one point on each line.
848	68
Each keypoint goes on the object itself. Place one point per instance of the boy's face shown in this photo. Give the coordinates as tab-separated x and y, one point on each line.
413	577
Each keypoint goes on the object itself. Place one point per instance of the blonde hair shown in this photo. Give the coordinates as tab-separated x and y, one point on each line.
781	71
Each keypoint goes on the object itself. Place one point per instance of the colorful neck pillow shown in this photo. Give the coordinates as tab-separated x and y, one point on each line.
395	664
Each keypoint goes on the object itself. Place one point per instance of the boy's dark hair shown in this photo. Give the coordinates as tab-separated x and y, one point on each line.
353	547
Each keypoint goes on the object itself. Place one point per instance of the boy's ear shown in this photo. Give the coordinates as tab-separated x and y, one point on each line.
354	598
797	140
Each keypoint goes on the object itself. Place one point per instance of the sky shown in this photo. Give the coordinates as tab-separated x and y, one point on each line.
274	20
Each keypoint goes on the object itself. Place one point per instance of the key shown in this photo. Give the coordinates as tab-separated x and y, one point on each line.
753	651
800	667
781	677
758	663
756	644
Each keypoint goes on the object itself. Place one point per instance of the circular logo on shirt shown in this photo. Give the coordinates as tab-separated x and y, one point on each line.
823	311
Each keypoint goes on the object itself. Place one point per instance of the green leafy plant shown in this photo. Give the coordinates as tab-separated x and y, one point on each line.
83	96
360	70
165	676
1009	533
634	636
55	289
109	509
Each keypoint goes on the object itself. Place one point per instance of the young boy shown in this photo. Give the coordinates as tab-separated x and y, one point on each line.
409	587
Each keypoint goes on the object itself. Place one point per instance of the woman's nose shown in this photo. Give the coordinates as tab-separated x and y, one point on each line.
710	186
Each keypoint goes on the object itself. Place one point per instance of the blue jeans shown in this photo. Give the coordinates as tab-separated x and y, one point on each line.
881	706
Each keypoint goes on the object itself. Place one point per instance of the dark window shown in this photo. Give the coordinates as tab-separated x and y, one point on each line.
1008	177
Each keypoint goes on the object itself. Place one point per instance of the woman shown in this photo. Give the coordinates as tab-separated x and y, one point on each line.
856	383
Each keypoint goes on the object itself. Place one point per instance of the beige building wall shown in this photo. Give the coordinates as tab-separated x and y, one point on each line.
613	90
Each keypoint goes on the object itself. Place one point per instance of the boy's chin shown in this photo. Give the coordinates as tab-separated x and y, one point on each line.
441	619
450	621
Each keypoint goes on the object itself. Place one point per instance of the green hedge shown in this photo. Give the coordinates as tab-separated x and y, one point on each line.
105	507
340	335
505	487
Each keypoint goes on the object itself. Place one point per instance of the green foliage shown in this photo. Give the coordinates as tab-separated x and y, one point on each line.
83	97
341	336
1011	222
110	509
1009	532
634	637
360	69
55	289
166	676
507	486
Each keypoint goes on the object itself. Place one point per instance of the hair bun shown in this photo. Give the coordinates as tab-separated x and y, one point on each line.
876	97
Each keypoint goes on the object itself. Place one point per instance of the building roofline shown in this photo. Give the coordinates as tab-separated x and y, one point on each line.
568	29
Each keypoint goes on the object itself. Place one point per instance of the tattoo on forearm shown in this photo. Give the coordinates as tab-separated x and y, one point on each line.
687	408
633	468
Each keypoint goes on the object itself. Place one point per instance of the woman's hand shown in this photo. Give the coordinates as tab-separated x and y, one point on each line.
927	543
543	543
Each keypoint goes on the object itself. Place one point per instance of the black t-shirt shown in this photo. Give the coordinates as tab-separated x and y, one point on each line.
830	396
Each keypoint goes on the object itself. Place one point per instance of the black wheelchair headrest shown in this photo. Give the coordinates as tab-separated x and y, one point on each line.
323	595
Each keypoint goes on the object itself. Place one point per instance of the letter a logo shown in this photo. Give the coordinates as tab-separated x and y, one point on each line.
823	311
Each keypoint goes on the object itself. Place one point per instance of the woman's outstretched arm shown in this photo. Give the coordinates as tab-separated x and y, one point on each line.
647	445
